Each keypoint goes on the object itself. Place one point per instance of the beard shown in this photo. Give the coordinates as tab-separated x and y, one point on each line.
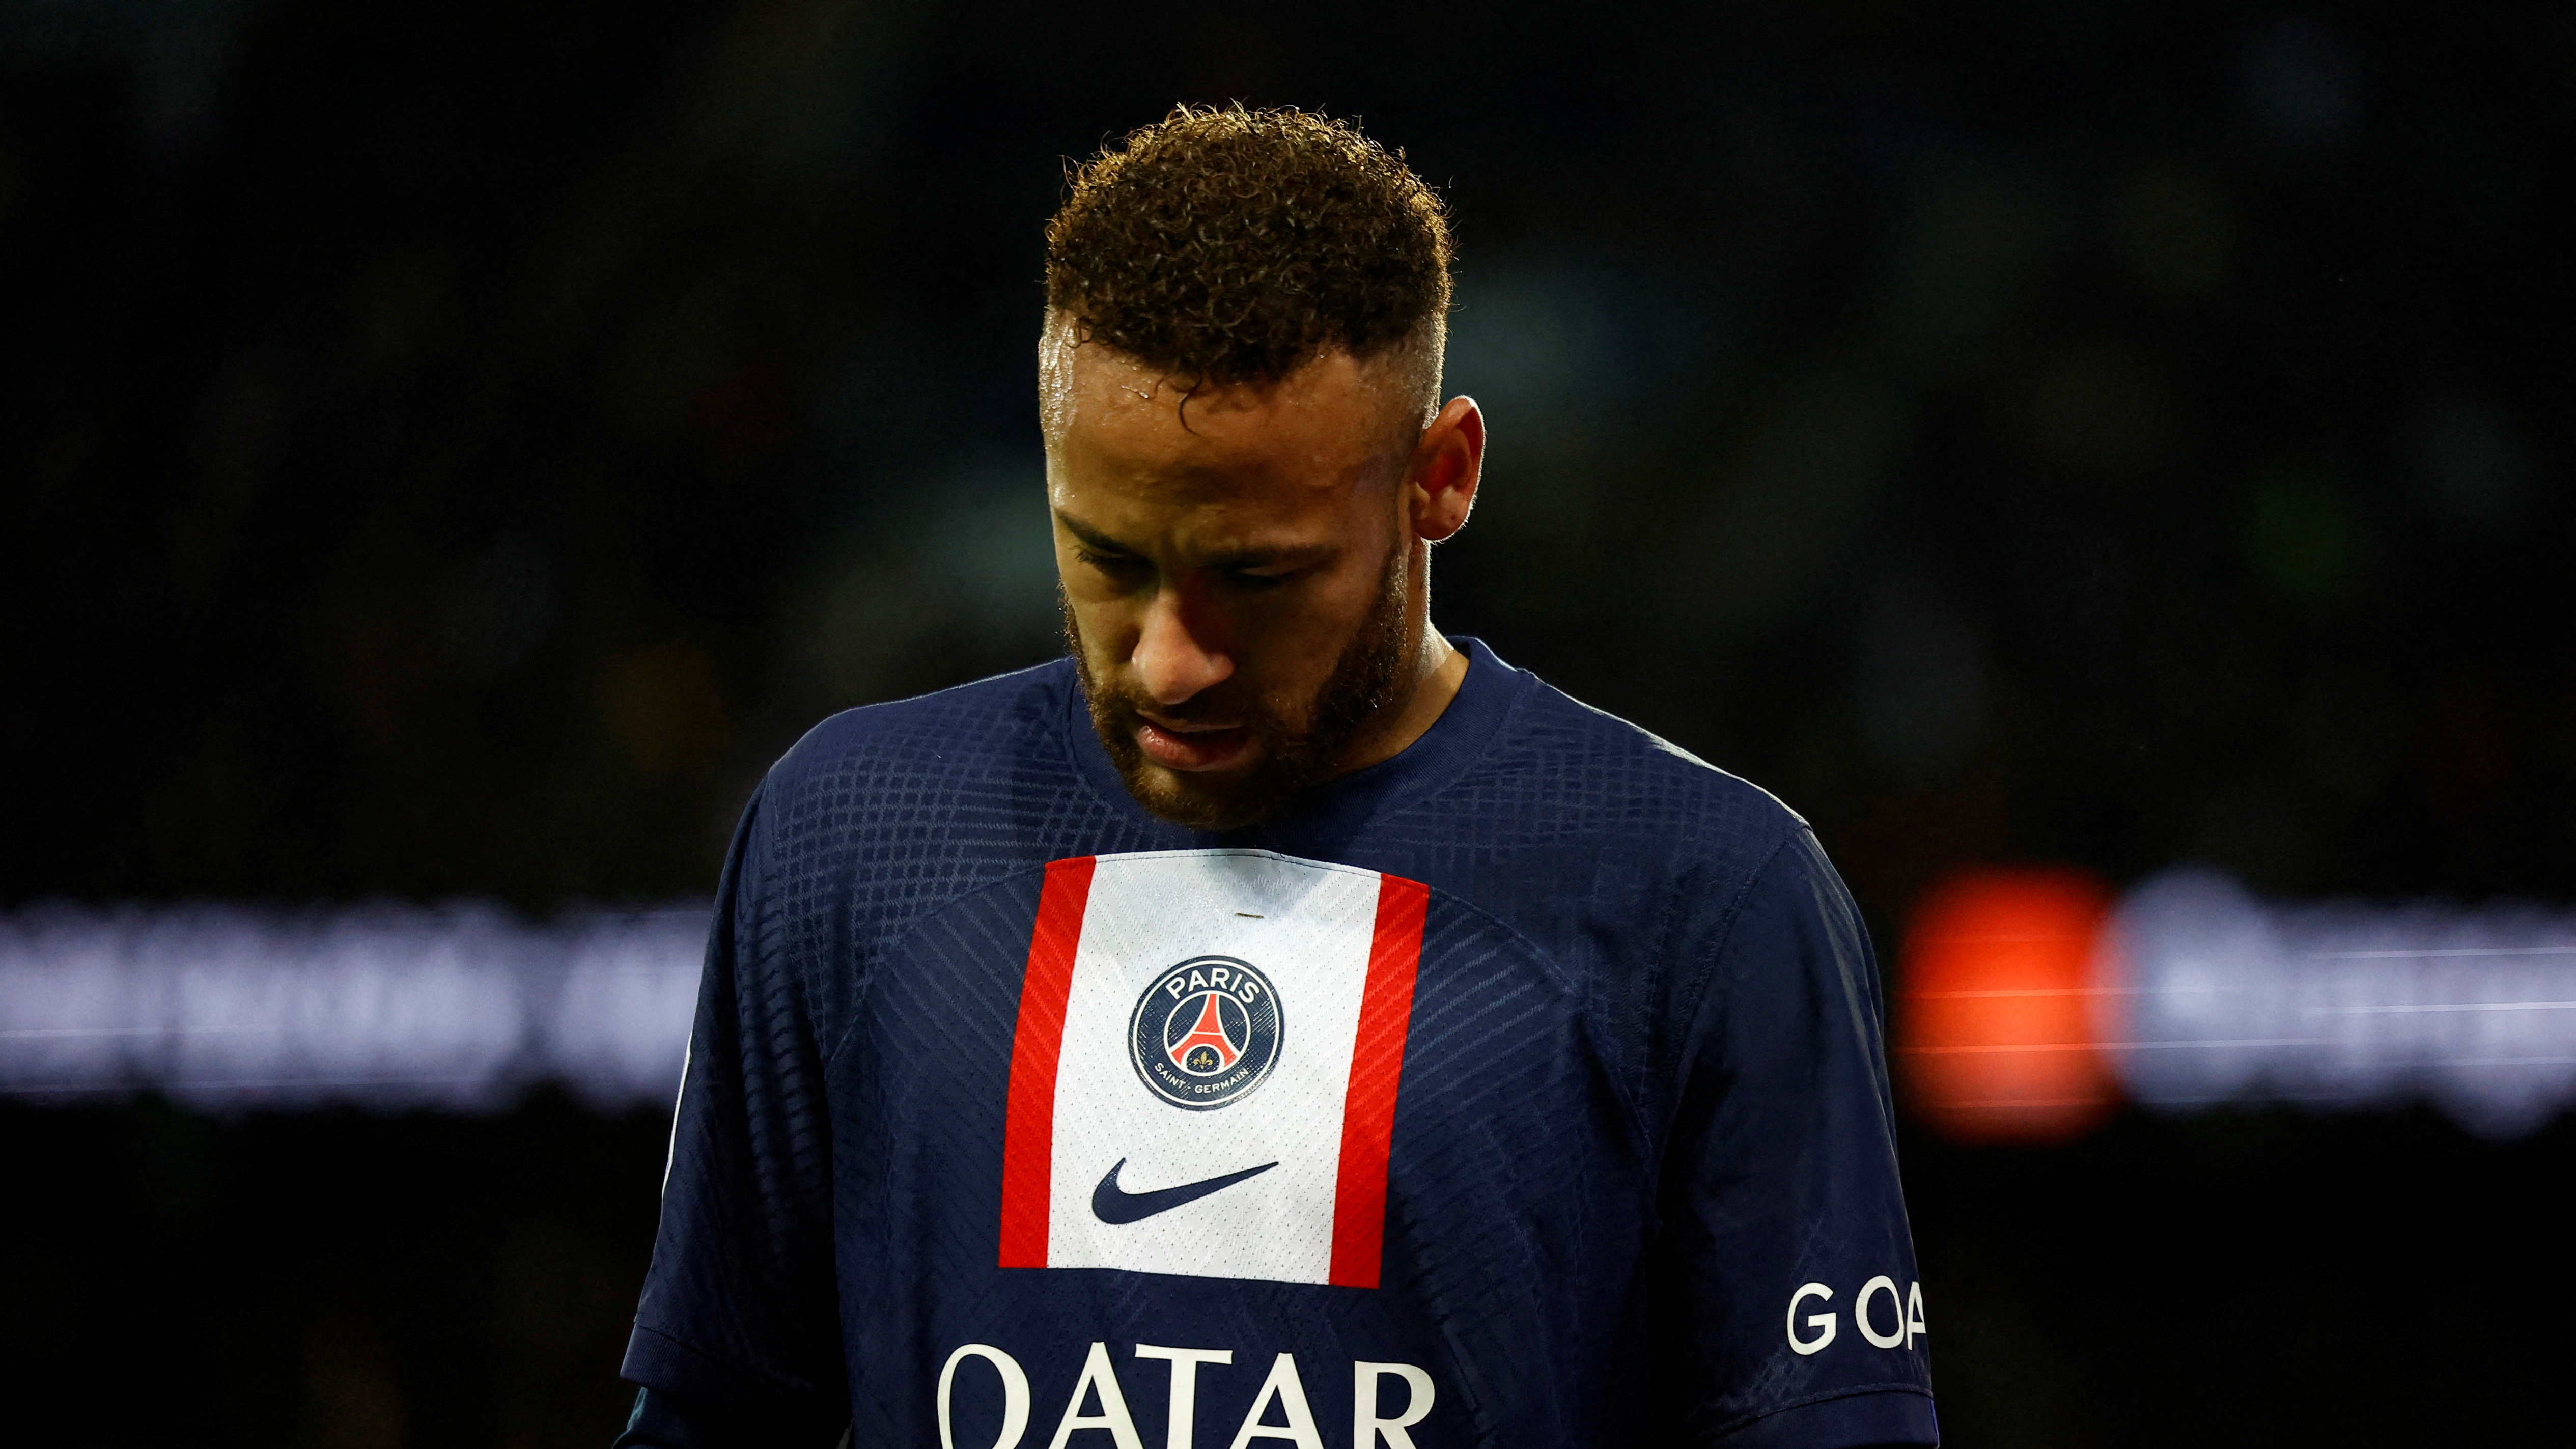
1290	757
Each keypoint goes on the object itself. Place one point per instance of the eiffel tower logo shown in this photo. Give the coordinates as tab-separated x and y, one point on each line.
1205	1049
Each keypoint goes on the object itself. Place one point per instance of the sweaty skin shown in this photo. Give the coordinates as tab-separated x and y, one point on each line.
1236	560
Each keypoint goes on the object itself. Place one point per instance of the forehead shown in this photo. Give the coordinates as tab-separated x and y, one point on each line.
1117	425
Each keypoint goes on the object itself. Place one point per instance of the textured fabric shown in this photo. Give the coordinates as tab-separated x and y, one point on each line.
1638	1184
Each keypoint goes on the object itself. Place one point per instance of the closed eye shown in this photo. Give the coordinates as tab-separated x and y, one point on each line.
1115	563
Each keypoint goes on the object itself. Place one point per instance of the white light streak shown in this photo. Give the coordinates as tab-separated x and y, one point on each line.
461	1006
2203	996
2226	998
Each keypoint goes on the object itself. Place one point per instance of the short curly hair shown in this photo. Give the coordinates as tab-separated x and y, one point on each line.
1232	246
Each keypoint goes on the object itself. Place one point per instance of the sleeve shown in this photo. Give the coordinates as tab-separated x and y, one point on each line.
1786	1308
739	1316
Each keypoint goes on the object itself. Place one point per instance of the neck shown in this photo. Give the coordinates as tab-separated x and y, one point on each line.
1439	668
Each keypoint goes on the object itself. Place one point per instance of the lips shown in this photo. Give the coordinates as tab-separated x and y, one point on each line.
1192	748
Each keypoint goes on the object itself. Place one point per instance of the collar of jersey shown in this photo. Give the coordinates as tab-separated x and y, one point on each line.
1324	822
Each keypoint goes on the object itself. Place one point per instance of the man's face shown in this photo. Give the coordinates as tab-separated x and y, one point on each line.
1239	587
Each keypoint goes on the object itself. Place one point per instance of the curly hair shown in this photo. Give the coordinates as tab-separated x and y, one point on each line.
1232	245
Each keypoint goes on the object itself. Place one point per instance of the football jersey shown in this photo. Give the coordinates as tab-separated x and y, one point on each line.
1523	1089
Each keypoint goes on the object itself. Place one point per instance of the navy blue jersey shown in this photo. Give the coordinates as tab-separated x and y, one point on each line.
1523	1089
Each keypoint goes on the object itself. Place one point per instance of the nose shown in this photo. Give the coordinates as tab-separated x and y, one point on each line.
1178	652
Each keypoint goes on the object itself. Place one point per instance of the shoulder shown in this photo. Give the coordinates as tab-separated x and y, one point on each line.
931	753
1587	771
885	813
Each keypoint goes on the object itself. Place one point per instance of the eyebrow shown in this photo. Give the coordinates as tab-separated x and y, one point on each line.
1093	538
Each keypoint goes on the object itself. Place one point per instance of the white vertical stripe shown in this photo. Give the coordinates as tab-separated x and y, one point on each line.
1305	925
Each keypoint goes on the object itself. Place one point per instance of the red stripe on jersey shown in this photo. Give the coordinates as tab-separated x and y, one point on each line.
1028	1132
1377	1066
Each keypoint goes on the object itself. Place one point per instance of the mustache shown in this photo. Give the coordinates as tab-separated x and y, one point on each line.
1198	709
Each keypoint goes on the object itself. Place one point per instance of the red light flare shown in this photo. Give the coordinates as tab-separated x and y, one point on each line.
1997	999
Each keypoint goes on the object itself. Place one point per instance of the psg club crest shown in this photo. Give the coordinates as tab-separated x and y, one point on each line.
1206	1033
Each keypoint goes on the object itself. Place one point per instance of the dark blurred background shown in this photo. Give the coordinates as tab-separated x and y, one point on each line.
450	451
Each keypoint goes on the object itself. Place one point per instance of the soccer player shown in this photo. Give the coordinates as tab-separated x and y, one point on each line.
1274	1023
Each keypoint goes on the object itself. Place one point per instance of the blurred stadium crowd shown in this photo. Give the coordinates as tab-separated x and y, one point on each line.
447	452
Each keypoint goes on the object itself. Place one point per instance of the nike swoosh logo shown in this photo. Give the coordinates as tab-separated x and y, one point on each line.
1113	1206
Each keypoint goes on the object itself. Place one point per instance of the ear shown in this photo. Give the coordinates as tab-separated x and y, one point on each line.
1448	462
